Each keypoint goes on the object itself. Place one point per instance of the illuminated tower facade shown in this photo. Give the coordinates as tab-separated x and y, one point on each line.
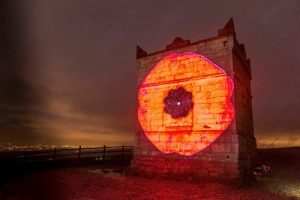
195	109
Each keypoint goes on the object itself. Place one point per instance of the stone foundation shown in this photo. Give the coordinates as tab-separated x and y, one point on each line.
183	168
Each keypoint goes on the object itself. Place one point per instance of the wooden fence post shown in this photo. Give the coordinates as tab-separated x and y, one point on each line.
79	152
54	154
123	152
25	157
104	152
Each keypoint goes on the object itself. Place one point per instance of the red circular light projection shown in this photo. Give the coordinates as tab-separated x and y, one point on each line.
185	103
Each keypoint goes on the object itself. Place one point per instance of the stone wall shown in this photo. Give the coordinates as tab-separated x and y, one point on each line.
243	109
230	156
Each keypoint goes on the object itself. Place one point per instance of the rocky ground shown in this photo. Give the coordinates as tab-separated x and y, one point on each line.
93	182
88	184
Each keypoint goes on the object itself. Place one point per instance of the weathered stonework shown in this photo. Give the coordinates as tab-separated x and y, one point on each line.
231	155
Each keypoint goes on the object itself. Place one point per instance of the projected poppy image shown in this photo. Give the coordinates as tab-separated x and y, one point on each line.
185	103
178	103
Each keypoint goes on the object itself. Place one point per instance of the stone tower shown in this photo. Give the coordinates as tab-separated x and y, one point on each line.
195	109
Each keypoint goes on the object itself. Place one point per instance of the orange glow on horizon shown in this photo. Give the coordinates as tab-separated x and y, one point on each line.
209	114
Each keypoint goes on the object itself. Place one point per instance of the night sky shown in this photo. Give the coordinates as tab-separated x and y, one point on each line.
68	72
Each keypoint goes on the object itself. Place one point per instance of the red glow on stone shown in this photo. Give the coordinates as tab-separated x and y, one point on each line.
212	110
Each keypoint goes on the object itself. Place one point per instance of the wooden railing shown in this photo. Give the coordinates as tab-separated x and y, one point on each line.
65	154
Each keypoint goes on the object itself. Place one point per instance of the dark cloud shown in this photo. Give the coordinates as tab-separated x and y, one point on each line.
68	72
19	96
